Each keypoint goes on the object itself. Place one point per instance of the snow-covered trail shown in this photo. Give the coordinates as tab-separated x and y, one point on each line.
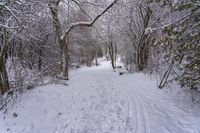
98	100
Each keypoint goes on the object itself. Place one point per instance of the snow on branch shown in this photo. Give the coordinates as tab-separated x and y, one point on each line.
73	25
81	8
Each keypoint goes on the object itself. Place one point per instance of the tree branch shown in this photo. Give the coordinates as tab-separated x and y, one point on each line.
73	25
77	3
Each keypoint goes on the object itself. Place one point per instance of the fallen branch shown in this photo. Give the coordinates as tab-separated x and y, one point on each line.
166	75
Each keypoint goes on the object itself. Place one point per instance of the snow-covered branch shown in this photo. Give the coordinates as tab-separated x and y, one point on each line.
73	25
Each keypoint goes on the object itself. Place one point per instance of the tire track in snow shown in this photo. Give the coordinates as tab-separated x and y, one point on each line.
131	117
135	118
137	123
144	113
141	115
163	108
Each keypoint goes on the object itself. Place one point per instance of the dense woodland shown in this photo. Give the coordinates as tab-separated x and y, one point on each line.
42	39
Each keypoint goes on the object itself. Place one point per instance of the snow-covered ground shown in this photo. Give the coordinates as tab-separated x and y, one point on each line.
98	100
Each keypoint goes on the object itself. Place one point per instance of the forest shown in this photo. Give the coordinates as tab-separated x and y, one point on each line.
43	42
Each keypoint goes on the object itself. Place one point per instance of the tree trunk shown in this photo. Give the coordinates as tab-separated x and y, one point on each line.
142	52
65	71
96	57
4	82
115	55
63	42
107	52
40	53
140	57
111	53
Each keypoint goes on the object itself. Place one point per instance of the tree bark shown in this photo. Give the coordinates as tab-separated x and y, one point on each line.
4	82
96	57
112	54
115	53
66	58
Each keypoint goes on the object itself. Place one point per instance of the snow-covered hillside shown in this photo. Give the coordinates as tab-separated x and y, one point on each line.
98	100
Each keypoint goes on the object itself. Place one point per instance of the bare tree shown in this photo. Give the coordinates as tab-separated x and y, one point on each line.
63	36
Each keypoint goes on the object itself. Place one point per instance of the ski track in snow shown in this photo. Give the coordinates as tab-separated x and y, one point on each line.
98	100
137	112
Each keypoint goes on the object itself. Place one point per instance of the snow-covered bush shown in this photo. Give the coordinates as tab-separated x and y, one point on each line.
21	79
183	39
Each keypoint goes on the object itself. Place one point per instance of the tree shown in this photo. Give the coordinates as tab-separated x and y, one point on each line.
63	36
16	27
183	37
8	31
